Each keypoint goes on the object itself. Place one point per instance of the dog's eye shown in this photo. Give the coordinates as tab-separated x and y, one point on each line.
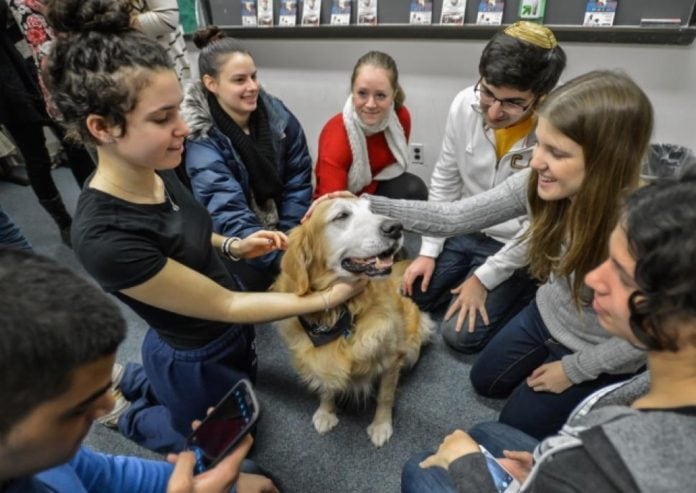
341	216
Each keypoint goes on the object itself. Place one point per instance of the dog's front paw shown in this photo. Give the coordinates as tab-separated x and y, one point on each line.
380	433
324	421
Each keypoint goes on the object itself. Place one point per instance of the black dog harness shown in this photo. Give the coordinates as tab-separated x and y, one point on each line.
321	334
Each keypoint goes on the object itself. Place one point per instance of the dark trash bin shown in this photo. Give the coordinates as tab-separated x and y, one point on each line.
665	161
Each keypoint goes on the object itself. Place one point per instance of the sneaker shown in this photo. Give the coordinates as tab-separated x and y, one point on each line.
110	420
116	375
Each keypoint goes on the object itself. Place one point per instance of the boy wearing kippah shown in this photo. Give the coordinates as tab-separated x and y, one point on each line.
489	135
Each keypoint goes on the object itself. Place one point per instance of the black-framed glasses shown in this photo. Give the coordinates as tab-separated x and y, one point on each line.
510	106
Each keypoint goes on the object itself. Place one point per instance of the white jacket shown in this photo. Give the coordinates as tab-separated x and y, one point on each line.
468	165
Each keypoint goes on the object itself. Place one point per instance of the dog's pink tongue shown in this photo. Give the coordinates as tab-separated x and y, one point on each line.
384	263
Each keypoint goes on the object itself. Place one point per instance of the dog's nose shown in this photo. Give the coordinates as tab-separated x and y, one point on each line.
391	229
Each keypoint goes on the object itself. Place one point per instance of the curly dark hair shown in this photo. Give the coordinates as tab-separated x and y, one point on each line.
98	64
511	62
660	221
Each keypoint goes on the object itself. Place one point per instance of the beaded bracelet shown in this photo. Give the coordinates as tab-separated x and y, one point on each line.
227	248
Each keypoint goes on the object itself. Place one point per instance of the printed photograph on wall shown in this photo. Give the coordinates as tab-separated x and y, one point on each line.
311	12
600	13
340	12
490	13
453	12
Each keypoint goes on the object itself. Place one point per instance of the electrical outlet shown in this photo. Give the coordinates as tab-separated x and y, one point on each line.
417	156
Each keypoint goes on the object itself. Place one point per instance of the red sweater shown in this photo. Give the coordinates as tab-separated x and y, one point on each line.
335	156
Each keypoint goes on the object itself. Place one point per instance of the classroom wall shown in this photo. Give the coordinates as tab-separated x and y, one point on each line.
312	78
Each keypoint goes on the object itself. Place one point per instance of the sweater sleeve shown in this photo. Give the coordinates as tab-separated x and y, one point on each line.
334	158
506	201
470	474
501	266
101	473
161	18
613	356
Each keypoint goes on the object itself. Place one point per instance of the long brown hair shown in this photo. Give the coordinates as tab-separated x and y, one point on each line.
611	118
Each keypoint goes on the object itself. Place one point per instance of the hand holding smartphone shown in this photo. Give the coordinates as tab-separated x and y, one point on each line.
503	480
225	426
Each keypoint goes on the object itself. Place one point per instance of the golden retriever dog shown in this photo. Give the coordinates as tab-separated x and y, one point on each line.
371	337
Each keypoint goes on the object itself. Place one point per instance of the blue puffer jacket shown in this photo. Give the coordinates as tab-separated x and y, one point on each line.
221	182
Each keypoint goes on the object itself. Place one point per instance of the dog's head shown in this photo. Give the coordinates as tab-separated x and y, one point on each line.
341	239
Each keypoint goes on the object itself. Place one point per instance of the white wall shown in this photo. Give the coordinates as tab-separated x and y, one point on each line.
312	78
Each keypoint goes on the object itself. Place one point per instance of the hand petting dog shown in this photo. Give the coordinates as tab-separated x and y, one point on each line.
327	196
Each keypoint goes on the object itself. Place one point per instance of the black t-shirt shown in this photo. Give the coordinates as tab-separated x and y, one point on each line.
122	244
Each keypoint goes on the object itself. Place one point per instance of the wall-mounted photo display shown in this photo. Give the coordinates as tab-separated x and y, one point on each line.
600	13
490	12
421	12
287	16
249	13
453	12
367	12
340	12
311	12
265	13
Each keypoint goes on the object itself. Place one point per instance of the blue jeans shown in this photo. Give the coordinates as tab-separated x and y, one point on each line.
10	235
460	257
495	437
434	479
174	387
512	355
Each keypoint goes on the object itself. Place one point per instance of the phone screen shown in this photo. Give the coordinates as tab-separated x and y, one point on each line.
502	479
226	425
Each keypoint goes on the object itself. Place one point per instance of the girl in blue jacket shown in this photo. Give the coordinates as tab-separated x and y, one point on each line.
246	155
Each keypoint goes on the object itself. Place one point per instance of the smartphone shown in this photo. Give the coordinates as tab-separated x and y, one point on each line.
503	480
225	426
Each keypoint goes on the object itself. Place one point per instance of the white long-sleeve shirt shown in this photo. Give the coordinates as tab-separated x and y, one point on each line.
468	165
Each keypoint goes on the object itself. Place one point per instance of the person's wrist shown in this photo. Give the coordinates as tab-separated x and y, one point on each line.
229	245
326	299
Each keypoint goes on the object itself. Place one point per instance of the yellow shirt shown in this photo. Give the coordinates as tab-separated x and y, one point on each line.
505	138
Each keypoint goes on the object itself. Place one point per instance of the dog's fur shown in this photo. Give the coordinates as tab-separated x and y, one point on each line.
343	239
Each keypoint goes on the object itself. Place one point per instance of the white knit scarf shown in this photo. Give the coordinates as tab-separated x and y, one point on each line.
359	174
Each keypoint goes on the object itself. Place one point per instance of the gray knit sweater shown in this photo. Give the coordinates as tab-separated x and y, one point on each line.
594	350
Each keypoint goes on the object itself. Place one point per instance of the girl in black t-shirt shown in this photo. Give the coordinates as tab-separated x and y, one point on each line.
144	238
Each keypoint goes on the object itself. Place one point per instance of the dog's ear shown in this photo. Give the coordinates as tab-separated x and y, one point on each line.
294	266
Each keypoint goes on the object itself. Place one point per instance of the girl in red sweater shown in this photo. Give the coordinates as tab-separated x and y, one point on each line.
365	148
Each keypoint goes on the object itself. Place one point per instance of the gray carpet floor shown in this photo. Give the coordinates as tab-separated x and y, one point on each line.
434	398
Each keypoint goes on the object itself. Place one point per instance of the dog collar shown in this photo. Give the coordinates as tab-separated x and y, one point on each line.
321	334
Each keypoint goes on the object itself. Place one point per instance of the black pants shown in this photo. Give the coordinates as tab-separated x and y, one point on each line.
31	142
405	186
